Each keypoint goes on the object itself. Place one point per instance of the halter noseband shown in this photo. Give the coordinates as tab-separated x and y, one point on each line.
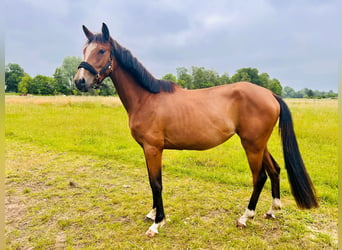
102	74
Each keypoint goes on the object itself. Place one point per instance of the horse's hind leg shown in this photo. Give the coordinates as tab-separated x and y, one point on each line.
259	178
273	171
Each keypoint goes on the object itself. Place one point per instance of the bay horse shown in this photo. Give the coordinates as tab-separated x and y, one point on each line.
162	115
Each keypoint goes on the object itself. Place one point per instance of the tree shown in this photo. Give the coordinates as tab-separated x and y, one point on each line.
199	78
212	77
39	85
241	76
224	79
42	85
300	93
13	75
331	94
64	75
275	86
107	88
62	84
204	78
247	74
24	84
289	92
170	77
264	80
183	78
310	93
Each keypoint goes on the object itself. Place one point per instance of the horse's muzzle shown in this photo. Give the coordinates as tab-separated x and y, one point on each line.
81	85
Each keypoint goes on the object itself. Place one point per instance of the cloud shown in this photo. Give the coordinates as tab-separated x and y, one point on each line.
60	8
295	41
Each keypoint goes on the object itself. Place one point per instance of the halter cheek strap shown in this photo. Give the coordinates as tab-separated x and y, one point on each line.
108	66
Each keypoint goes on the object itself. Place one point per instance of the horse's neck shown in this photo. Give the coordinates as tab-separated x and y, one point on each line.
130	92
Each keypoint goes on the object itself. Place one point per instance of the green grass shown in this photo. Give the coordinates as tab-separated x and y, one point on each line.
75	179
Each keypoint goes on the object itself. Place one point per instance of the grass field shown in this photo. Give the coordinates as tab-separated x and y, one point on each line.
75	179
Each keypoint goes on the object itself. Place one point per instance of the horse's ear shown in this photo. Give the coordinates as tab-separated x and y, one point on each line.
105	32
88	33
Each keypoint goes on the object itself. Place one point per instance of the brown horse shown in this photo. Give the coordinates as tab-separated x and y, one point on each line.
162	116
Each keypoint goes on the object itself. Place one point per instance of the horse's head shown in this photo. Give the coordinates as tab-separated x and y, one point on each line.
98	60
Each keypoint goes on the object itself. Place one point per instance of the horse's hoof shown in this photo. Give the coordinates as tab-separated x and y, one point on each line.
150	233
269	216
240	225
153	230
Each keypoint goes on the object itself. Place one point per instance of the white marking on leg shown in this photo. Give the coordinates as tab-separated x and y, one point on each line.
249	214
153	230
152	214
276	205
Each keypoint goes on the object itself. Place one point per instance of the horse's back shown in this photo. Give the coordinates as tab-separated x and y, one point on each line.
207	117
204	118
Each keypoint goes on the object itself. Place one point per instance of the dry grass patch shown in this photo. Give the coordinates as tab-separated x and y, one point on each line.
63	100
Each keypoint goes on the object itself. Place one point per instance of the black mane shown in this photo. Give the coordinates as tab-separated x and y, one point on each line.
135	68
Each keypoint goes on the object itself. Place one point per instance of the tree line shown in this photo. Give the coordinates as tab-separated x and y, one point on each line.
16	80
61	83
199	77
308	93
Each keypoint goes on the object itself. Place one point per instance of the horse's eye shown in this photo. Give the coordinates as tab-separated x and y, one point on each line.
101	51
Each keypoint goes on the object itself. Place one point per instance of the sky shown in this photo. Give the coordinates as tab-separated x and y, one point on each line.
297	42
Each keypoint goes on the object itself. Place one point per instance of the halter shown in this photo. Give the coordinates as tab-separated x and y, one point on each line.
102	74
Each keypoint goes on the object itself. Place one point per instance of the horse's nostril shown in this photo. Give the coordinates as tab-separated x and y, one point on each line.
80	84
80	81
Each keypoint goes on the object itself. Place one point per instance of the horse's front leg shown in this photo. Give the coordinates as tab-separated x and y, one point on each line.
153	156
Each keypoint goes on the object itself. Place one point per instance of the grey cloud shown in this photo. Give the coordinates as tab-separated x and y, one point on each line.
295	41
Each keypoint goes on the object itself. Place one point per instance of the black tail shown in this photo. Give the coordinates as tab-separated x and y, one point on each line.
301	185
